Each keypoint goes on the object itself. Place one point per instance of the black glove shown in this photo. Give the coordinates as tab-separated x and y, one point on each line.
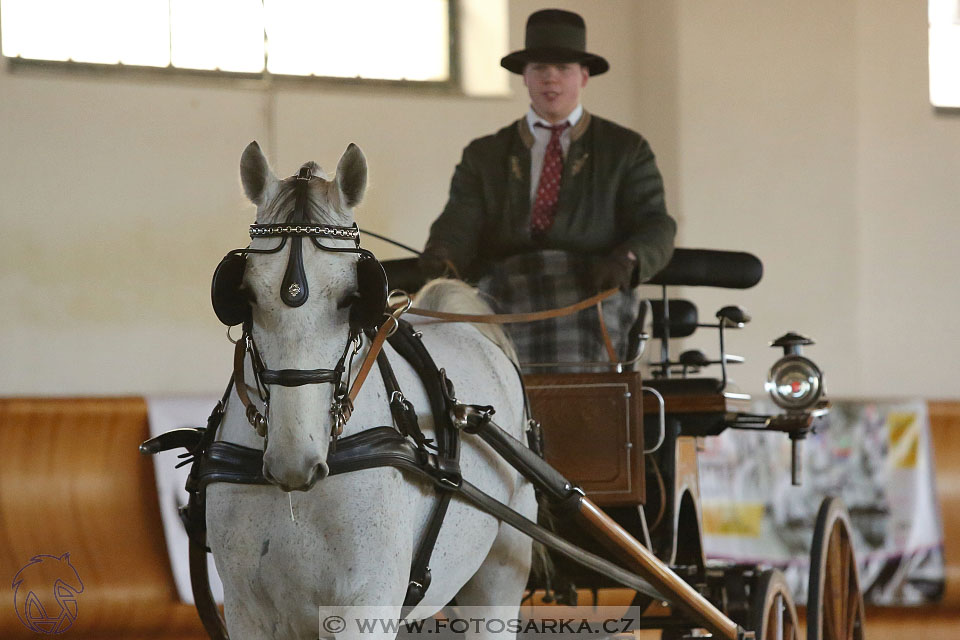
435	262
614	270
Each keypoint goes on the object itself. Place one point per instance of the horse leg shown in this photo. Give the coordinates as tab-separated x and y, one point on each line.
499	583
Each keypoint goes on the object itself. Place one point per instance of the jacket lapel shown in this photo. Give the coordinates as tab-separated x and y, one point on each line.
518	179
573	185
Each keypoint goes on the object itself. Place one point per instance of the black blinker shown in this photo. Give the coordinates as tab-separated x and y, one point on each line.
226	292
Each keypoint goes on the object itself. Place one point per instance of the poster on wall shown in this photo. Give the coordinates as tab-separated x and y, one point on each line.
875	456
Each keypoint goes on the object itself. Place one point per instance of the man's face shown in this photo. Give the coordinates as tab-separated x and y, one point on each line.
554	87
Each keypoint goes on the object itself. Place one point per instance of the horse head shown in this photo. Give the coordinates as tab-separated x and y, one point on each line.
305	295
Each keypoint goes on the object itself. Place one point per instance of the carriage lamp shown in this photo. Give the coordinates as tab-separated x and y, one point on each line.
794	383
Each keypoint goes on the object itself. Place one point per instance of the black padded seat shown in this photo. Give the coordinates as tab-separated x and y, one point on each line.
683	318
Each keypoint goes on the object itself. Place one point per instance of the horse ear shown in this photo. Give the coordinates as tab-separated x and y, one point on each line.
351	176
255	174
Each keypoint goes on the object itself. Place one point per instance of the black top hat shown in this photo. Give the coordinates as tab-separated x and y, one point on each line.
555	35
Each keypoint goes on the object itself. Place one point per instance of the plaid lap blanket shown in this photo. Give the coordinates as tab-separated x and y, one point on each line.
548	280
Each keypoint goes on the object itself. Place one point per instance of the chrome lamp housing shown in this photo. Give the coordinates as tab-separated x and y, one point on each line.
795	382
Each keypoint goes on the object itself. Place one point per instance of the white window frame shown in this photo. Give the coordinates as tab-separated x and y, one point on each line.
450	84
944	56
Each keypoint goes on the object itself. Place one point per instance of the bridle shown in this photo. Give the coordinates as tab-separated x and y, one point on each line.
294	292
341	406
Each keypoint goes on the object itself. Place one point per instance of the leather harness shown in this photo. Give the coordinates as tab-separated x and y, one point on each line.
218	461
405	448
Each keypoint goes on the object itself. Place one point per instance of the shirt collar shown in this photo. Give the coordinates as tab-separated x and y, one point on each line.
573	118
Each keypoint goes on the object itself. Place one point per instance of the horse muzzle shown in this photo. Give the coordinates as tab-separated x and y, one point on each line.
301	478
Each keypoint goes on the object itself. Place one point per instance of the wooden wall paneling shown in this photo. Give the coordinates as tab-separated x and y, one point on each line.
945	440
72	481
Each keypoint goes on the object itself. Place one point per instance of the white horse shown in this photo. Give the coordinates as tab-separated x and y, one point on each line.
290	558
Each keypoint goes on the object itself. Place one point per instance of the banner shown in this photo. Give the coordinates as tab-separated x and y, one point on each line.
876	456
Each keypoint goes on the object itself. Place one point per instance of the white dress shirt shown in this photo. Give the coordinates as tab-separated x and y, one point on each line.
541	137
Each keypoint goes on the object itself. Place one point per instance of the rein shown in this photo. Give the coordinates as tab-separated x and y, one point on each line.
509	318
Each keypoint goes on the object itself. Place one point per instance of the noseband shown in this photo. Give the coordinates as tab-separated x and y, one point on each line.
294	292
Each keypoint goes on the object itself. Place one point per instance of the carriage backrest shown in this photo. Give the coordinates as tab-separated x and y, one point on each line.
710	268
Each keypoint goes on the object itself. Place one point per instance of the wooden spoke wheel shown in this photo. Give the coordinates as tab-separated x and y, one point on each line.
772	615
834	600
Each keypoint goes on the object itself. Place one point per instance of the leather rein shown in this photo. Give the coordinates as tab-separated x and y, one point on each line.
510	318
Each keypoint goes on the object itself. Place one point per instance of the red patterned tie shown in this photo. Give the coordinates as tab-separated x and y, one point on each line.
548	189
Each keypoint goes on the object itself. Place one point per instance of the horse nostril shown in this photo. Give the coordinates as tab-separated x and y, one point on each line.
321	471
315	474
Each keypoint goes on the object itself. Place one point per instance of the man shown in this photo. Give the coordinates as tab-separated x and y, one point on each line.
559	179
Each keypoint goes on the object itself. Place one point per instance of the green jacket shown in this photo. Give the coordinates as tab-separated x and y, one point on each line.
611	196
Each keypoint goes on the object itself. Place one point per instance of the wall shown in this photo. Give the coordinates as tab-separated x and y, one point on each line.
767	150
804	134
121	194
798	131
908	176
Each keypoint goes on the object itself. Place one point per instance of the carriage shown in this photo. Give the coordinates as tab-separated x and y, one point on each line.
639	458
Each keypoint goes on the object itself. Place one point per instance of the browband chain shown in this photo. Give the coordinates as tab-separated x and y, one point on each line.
317	230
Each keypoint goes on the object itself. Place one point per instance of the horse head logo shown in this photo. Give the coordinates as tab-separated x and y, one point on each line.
45	594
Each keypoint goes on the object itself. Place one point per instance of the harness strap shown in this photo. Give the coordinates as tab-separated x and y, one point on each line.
368	361
254	417
420	576
213	622
406	342
384	446
607	342
508	318
299	377
404	414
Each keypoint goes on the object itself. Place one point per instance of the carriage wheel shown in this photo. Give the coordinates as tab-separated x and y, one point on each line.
773	615
834	601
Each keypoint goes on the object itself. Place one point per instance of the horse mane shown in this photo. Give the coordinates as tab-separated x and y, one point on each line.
281	209
445	294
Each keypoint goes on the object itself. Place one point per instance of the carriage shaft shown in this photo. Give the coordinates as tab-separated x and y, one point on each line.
560	491
659	575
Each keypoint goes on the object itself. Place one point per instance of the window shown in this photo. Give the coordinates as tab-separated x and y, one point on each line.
944	52
371	39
